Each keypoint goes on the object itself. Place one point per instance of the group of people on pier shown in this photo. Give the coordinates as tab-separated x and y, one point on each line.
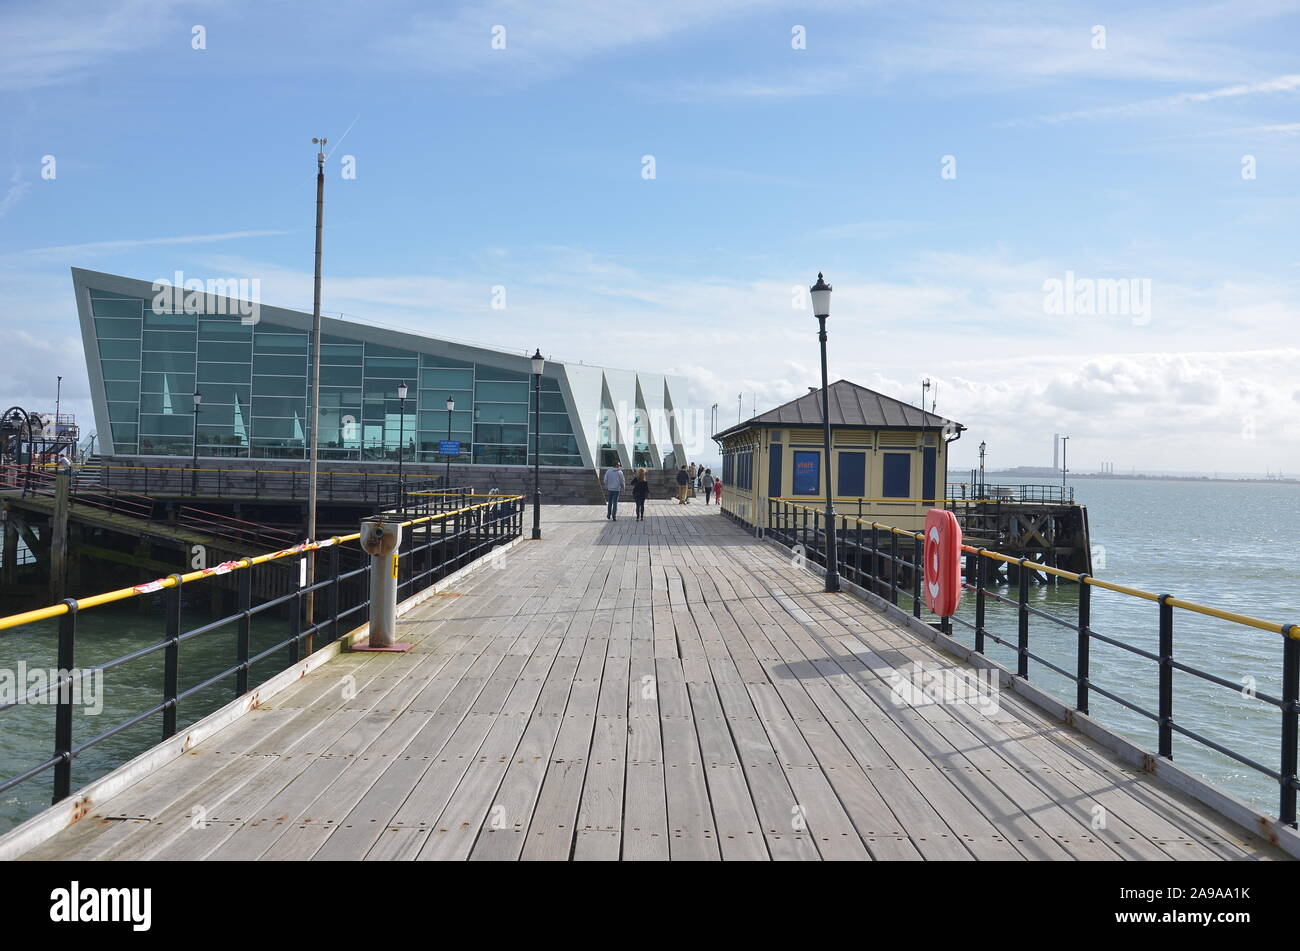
690	480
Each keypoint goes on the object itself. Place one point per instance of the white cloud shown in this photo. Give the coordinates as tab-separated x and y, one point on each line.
58	40
112	247
1153	395
541	40
17	188
1278	84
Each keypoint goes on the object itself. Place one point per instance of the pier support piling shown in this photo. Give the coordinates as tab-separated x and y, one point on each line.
59	538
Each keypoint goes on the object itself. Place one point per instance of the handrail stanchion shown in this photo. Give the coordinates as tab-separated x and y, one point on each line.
243	635
1022	641
1085	637
816	536
1166	677
1290	727
172	657
918	556
428	553
875	559
857	559
981	571
295	622
893	567
63	714
333	605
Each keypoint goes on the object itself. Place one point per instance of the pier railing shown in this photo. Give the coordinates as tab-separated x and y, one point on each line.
41	482
434	545
888	562
991	492
228	483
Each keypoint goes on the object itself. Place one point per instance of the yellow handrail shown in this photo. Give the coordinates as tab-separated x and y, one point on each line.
1286	630
122	594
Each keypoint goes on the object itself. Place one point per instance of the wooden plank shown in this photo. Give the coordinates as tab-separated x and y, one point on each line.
599	823
691	827
645	818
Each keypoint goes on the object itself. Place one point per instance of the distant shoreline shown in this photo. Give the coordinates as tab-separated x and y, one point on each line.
1011	475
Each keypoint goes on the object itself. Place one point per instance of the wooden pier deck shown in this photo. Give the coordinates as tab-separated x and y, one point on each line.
671	689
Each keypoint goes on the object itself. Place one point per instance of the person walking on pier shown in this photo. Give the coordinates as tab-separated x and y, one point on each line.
640	492
683	485
706	481
615	483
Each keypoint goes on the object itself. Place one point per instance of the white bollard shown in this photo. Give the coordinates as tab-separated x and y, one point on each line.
380	538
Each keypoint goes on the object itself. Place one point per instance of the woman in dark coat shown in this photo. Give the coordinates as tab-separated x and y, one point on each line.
640	492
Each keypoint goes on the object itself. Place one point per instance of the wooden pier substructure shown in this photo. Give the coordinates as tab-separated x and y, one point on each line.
1046	533
65	538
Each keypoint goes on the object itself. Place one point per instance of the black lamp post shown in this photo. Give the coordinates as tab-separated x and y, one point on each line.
821	300
401	445
451	406
981	486
539	364
194	465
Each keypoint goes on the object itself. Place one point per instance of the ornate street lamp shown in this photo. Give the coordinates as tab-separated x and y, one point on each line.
821	301
194	465
401	445
451	406
539	364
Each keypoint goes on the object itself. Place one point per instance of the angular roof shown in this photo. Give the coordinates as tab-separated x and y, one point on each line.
850	405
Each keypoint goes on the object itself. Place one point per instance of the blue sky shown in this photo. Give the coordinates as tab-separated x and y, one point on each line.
1109	155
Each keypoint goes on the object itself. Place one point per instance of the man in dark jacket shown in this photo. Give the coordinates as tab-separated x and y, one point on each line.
683	486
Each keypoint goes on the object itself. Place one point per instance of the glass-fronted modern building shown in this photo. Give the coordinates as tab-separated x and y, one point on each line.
149	351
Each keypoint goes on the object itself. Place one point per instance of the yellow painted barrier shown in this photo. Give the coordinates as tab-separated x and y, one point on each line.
1287	630
149	587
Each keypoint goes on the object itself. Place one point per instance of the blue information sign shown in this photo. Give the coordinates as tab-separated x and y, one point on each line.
449	447
807	473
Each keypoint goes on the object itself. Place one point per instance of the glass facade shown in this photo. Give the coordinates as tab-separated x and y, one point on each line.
254	381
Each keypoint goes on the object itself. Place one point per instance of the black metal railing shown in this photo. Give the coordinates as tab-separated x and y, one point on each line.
992	492
425	496
434	545
84	491
269	484
888	561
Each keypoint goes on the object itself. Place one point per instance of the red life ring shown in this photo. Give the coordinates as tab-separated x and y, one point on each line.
942	557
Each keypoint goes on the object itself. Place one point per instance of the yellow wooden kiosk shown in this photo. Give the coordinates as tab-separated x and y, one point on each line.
889	459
